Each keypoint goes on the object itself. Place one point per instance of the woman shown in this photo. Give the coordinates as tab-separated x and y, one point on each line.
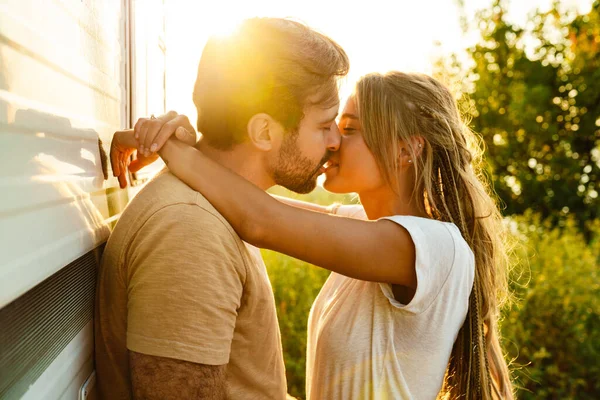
411	309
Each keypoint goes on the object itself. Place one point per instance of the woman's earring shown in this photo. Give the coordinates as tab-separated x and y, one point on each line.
410	161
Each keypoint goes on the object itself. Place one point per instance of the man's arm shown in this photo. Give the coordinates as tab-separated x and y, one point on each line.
164	378
185	282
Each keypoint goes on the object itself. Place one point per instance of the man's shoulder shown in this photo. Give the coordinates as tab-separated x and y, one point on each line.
167	208
165	188
167	195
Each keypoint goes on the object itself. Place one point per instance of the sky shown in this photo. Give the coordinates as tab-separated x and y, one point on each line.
377	35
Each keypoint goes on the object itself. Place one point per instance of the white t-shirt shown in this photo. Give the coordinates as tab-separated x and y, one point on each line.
364	344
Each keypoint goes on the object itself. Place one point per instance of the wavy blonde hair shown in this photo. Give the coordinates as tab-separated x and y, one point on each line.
451	186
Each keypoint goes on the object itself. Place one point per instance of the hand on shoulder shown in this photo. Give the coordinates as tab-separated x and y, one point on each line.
146	138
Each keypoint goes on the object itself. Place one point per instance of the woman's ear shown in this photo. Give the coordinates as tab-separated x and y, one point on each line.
410	150
418	145
263	131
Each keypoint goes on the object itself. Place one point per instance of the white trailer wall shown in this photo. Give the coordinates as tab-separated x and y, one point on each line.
65	85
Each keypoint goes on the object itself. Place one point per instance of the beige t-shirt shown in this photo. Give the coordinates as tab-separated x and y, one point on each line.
176	281
364	344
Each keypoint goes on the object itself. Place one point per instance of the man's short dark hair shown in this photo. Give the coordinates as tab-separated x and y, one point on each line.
269	65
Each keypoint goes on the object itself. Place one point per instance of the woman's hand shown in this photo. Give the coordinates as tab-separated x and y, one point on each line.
146	130
123	145
152	133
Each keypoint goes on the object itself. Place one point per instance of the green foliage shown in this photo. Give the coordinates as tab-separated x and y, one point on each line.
535	98
296	285
552	331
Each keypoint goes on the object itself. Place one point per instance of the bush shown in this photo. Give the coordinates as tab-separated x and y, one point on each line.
552	331
296	284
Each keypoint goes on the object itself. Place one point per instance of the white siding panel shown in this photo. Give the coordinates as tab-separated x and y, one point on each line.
148	65
62	88
63	379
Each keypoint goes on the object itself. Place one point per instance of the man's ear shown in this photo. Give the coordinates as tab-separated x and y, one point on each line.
263	131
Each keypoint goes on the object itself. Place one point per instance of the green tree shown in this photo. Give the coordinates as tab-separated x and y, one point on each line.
534	95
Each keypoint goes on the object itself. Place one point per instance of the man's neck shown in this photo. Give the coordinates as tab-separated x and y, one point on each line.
241	160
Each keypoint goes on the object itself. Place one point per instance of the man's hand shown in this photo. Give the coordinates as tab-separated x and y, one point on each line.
147	130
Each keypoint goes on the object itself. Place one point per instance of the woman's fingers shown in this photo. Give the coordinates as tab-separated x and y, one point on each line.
142	136
147	127
165	132
189	136
177	127
138	126
168	116
155	127
147	130
185	122
186	136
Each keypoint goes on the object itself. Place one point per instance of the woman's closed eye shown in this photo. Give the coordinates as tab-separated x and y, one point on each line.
348	130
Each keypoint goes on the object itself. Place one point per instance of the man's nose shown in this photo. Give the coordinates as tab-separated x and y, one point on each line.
334	138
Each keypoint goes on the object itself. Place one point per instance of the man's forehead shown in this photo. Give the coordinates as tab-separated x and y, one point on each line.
325	112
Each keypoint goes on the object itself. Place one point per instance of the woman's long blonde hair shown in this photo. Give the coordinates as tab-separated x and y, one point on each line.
449	179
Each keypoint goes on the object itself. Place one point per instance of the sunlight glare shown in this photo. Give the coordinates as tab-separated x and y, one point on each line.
226	27
378	36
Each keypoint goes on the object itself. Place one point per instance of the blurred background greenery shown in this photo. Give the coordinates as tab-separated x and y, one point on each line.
533	93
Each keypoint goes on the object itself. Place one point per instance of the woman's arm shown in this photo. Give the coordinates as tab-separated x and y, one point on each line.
379	251
305	205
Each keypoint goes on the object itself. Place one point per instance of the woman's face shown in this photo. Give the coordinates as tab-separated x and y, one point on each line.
353	167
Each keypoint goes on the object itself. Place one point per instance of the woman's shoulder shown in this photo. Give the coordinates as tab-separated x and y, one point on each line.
434	235
421	220
427	224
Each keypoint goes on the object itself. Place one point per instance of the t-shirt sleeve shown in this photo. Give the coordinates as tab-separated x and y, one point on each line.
435	251
185	279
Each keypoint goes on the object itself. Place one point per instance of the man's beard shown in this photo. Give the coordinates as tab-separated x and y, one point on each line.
293	171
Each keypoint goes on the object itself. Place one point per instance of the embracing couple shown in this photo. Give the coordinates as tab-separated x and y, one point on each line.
184	306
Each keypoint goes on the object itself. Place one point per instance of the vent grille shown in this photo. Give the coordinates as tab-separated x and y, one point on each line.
37	326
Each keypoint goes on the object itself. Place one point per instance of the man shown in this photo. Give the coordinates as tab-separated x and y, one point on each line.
184	308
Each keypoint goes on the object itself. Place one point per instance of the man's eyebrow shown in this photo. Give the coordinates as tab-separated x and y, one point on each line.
347	115
330	119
